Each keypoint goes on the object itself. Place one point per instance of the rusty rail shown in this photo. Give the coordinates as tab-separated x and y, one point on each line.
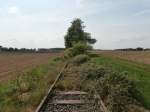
50	90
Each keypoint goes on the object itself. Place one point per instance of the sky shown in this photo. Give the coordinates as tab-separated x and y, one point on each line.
43	23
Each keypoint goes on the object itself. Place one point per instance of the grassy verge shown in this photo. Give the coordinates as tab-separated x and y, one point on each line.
25	92
140	73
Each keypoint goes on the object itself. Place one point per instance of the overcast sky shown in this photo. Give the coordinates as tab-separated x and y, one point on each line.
43	23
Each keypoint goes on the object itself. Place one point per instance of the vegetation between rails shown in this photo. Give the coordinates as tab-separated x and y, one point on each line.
25	92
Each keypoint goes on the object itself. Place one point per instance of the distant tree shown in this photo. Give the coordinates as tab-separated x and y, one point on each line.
4	49
15	49
76	34
147	49
0	48
11	49
139	49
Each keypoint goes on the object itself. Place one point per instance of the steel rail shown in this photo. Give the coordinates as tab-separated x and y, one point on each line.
50	90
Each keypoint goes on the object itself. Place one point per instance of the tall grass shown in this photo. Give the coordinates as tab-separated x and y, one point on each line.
140	73
25	92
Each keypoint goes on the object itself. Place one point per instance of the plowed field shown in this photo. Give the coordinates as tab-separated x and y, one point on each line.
14	63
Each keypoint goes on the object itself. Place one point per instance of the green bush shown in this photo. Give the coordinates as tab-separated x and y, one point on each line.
69	53
94	73
57	59
79	59
77	49
118	92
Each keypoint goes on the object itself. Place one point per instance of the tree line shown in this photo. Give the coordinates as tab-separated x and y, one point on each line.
134	49
39	50
11	49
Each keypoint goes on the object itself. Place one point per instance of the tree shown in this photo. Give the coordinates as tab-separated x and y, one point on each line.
139	49
76	34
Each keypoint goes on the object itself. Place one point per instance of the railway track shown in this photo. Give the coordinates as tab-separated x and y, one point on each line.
70	100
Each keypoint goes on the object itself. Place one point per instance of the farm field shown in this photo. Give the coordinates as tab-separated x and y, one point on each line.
136	68
10	63
136	56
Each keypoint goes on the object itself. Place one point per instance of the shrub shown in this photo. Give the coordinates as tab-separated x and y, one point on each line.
79	59
77	49
81	48
24	97
57	59
24	87
69	53
92	72
118	92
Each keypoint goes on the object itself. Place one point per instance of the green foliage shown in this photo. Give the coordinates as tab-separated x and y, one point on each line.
120	92
76	34
93	72
79	59
77	49
57	59
81	48
69	53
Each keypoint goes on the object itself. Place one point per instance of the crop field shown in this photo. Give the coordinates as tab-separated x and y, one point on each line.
135	65
10	63
136	56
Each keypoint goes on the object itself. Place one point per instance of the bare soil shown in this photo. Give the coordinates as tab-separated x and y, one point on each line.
12	64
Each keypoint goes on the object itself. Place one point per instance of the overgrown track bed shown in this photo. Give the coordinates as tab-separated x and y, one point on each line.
70	100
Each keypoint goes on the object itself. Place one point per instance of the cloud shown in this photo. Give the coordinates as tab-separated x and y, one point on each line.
31	39
82	3
140	38
13	10
88	1
142	12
